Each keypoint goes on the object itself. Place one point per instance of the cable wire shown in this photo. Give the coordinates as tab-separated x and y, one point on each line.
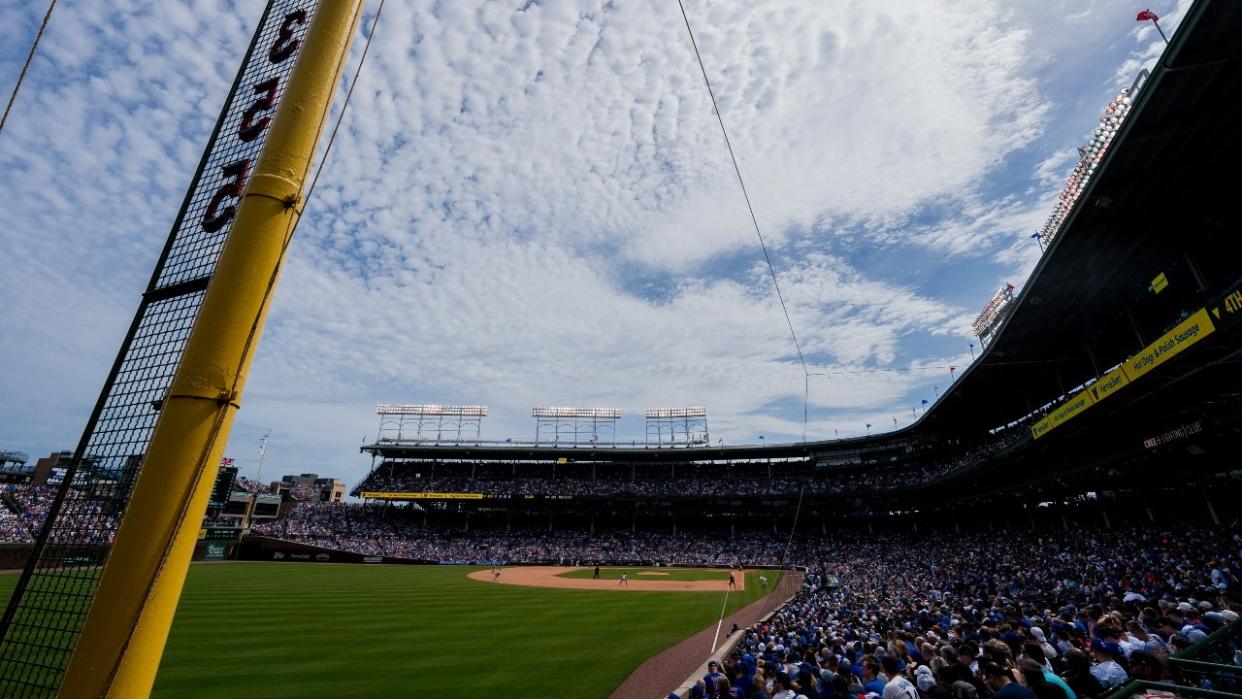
348	95
29	57
742	183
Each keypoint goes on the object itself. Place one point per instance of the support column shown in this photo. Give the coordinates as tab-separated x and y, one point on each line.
1194	270
1212	511
1134	326
1095	366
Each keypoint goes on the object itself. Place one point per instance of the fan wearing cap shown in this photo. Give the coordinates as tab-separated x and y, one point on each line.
1107	670
713	671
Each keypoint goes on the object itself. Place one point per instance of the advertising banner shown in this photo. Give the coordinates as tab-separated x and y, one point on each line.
1109	384
1187	333
1063	413
381	495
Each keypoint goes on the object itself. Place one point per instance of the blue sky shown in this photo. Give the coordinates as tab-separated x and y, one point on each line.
530	204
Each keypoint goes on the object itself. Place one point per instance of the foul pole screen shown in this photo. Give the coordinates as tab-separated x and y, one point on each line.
183	361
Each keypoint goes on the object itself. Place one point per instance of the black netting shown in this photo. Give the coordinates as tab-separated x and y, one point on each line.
42	620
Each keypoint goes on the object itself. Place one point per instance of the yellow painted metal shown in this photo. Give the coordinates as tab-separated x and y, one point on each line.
123	637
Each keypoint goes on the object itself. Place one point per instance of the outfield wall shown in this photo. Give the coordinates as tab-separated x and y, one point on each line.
262	548
13	556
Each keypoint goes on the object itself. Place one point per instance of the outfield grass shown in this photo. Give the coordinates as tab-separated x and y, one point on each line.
661	574
323	630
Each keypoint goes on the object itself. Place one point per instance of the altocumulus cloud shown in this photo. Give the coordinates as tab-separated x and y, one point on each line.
509	175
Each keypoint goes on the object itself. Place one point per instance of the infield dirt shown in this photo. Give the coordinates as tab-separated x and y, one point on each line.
547	576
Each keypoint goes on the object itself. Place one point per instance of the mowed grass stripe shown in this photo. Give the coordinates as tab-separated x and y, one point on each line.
321	630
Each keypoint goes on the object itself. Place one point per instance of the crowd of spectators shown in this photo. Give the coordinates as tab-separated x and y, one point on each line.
250	485
22	511
1006	614
11	527
943	615
371	530
752	478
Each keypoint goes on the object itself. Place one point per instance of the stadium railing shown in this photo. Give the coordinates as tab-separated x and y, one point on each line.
1205	669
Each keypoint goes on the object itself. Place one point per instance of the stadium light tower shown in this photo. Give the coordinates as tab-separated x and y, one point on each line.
994	313
429	422
580	425
677	426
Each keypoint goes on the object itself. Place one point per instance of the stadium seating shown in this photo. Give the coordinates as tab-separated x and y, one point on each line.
734	479
1091	610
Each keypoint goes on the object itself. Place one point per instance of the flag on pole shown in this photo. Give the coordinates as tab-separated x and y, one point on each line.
924	401
226	461
1147	15
1035	234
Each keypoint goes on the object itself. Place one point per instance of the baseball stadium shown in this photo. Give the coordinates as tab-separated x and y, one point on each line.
1059	519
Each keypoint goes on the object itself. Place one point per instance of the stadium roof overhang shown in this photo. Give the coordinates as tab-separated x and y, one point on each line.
1166	190
1162	200
589	453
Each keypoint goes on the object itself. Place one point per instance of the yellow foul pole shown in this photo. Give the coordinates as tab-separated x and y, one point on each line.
123	636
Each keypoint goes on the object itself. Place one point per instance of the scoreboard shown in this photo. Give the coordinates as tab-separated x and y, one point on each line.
220	492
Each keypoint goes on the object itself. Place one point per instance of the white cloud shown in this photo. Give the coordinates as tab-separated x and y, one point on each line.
504	176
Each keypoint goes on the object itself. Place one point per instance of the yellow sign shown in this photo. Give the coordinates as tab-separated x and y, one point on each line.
1109	384
562	460
1063	413
374	495
202	534
1159	283
1187	333
1231	304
